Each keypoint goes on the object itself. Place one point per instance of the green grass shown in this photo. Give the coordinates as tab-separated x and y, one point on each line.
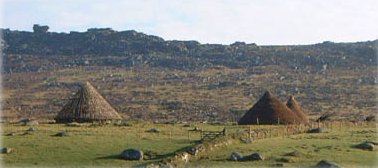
90	146
101	145
335	146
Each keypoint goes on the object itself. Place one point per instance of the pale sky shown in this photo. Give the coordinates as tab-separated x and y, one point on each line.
263	22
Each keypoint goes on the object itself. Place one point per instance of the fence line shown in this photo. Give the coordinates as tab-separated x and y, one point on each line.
210	135
255	132
287	130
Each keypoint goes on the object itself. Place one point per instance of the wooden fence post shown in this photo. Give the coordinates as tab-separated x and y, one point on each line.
257	120
287	130
270	133
298	129
250	134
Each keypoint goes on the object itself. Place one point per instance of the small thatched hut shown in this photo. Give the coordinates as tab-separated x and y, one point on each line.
87	105
269	110
296	108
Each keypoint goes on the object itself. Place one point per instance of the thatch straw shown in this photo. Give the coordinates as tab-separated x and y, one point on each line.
269	110
87	105
296	108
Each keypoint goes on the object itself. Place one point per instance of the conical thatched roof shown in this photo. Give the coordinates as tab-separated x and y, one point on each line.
87	105
269	110
296	108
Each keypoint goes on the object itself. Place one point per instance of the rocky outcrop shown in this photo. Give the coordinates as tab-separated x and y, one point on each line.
365	146
132	154
130	48
326	164
6	150
253	157
40	29
236	156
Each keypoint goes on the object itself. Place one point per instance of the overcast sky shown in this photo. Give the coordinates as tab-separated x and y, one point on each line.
207	21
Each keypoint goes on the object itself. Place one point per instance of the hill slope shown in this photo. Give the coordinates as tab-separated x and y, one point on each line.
148	78
130	48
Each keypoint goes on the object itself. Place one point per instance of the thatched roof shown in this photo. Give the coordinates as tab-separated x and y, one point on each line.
87	105
296	108
269	110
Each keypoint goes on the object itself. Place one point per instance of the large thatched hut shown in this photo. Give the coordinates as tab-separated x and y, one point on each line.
87	105
270	110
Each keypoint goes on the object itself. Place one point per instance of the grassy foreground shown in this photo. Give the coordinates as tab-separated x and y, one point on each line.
101	145
87	146
336	146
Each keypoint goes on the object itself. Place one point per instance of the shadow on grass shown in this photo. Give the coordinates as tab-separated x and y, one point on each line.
109	157
146	157
118	157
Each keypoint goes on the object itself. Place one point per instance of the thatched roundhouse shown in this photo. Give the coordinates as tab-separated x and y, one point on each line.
296	108
270	110
87	105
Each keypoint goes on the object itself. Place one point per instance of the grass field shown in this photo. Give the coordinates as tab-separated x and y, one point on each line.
335	146
86	145
101	145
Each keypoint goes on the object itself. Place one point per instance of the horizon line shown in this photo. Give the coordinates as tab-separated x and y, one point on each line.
202	43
